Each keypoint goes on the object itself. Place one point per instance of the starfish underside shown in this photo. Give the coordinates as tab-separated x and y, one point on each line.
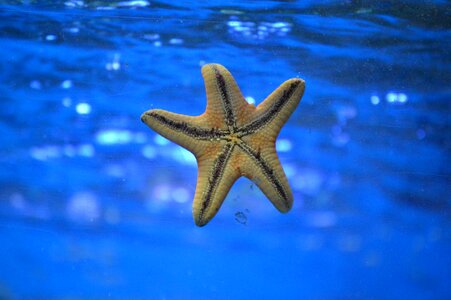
232	139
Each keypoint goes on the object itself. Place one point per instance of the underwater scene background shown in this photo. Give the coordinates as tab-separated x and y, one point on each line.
93	204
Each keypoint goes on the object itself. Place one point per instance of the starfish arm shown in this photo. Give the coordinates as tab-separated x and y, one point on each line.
264	169
215	178
183	130
275	110
224	99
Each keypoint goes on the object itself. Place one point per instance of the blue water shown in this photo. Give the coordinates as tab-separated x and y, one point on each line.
93	204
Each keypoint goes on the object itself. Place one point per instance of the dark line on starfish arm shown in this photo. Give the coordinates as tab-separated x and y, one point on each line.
267	171
271	113
183	127
225	97
215	177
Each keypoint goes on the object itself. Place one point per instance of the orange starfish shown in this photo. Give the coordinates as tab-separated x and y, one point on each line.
232	139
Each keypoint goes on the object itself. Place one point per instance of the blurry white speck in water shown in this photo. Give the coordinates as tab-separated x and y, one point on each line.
66	84
135	3
35	84
234	23
152	36
115	65
392	97
321	219
45	152
250	100
175	41
162	192
50	37
283	145
74	3
180	195
69	150
74	30
83	207
159	140
86	150
402	97
17	201
157	44
149	152
375	100
290	170
67	101
114	136
83	108
184	156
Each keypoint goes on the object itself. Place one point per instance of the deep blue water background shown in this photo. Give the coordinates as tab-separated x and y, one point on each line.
93	204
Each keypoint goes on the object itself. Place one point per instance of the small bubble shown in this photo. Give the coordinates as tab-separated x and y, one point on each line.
241	217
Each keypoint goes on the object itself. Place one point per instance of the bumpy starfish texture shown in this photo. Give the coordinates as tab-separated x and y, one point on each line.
232	139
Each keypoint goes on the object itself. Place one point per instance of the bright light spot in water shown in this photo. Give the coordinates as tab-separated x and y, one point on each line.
321	219
250	100
35	84
402	98
115	65
83	207
375	100
50	37
109	137
283	145
290	170
396	98
74	3
152	37
135	3
45	152
69	150
184	156
17	201
280	25
180	195
83	108
308	181
66	84
67	101
175	41
86	150
149	152
162	192
159	140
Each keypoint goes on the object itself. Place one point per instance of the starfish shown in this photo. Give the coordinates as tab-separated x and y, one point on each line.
232	138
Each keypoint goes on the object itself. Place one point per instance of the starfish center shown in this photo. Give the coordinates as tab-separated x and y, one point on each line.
234	138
